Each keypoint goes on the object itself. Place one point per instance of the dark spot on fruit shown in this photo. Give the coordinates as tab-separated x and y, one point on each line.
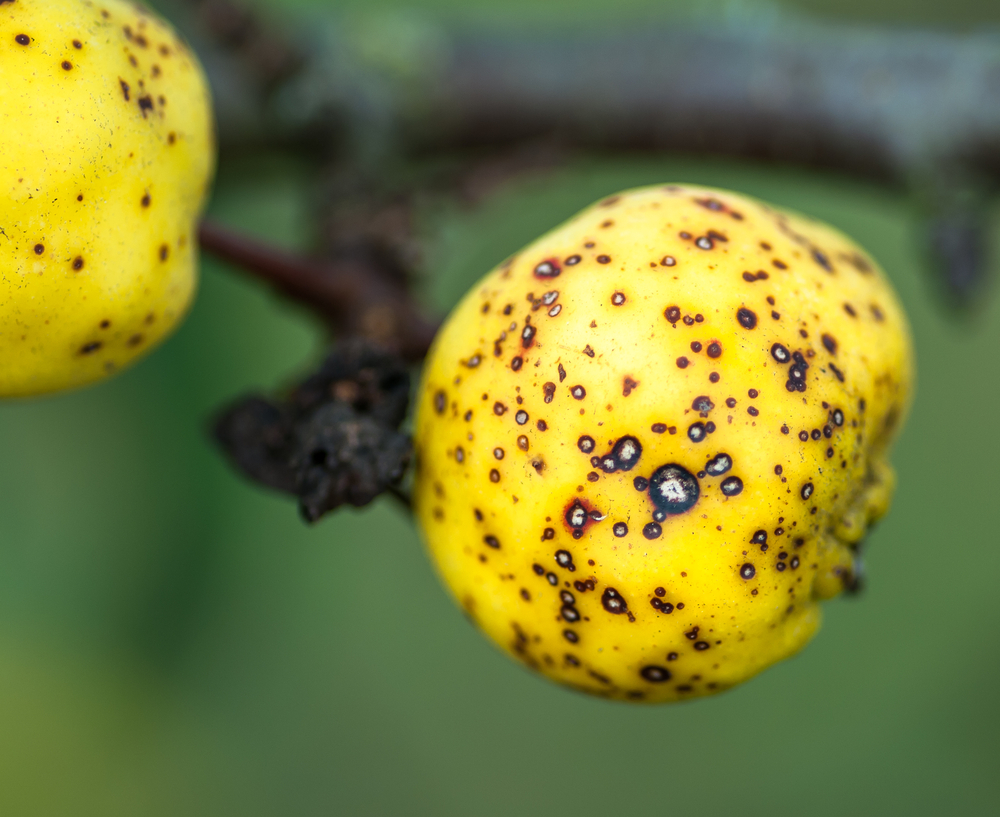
732	486
748	571
746	318
682	362
521	417
146	200
673	489
780	353
528	336
77	45
145	105
837	373
701	646
614	602
807	490
673	314
620	529
628	386
22	39
714	349
752	411
668	261
838	417
696	432
573	260
652	530
67	65
39	249
125	88
850	310
78	263
499	409
604	259
516	363
90	348
565	560
759	537
640	483
578	392
571	636
492	541
702	404
654	674
719	465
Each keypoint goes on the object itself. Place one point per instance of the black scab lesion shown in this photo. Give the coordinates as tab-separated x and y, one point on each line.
565	560
614	602
719	464
624	456
747	318
90	348
440	401
673	489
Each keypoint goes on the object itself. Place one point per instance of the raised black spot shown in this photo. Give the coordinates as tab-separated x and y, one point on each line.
732	486
614	602
696	432
748	571
620	529
673	489
673	314
654	674
807	490
652	530
703	404
780	353
586	444
719	465
492	542
747	318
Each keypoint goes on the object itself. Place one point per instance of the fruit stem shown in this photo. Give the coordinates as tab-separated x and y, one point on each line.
353	295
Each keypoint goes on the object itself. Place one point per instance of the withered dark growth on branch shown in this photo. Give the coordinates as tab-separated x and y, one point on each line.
334	439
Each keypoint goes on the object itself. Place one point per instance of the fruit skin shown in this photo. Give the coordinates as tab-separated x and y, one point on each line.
658	291
108	153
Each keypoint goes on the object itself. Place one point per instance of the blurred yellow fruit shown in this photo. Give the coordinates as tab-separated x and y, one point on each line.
108	150
649	444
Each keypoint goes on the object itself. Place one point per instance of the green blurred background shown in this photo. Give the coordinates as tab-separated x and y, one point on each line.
175	641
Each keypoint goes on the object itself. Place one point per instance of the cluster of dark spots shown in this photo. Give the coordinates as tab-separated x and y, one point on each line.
624	455
664	607
628	386
747	318
732	486
614	602
578	392
699	431
719	465
673	489
750	277
565	560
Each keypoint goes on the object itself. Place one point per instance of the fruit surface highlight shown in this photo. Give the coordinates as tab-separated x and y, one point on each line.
108	152
651	442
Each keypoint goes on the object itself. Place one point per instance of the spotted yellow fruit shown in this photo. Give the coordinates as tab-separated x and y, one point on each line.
650	443
108	149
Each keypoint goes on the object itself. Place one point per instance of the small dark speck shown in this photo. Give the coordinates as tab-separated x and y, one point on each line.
67	65
22	39
90	348
682	362
77	45
164	252
146	200
78	263
604	259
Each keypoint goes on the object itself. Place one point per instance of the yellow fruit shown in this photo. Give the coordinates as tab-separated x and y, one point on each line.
107	153
649	444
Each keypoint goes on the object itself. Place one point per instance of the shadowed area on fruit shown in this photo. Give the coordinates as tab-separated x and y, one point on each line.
176	641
